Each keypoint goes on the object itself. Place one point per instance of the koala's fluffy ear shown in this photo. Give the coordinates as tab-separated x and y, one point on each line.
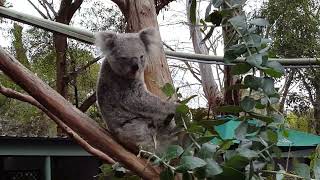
105	41
150	37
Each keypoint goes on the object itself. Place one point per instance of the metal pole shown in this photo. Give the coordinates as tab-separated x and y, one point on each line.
88	37
47	168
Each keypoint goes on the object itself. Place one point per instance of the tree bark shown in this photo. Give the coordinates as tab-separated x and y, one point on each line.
139	15
231	97
209	85
73	117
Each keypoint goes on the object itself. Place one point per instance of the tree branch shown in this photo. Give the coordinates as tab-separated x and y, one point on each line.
45	8
26	98
74	7
286	89
50	6
308	88
38	10
83	68
79	122
88	102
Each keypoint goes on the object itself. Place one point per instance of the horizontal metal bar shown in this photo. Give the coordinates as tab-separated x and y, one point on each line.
88	37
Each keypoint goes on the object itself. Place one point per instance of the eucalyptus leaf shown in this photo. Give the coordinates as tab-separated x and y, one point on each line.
255	60
253	82
212	168
167	174
172	152
268	86
168	89
302	170
241	131
240	68
247	103
259	22
190	163
229	109
207	150
275	69
238	22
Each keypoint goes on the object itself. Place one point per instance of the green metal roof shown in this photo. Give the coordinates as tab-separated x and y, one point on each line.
296	138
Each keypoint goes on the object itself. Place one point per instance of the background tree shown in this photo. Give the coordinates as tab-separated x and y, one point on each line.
293	38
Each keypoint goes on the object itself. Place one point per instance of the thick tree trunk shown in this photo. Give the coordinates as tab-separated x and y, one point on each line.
73	117
209	85
64	15
139	15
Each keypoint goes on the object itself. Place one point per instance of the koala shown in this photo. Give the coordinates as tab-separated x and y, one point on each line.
135	117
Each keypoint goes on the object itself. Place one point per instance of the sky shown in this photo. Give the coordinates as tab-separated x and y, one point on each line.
173	30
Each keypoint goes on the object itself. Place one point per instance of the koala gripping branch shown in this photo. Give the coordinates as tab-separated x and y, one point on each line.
72	117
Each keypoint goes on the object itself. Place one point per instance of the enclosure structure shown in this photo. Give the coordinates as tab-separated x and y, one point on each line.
44	158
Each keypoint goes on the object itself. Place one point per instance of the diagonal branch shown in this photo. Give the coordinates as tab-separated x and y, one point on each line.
38	10
83	68
87	128
45	8
88	102
50	6
26	98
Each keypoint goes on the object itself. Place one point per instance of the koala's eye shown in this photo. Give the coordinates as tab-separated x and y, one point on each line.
141	57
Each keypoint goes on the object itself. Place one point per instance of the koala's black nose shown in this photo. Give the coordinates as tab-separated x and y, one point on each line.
134	67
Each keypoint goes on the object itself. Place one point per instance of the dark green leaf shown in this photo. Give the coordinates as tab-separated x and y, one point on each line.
229	57
172	152
248	153
212	168
190	163
168	89
188	99
275	69
261	117
241	131
205	139
259	22
247	103
272	136
268	86
302	170
167	174
207	150
182	109
239	22
193	12
237	162
255	60
240	68
225	145
229	109
253	82
253	40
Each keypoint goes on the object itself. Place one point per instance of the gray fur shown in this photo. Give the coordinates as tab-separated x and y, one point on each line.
137	118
